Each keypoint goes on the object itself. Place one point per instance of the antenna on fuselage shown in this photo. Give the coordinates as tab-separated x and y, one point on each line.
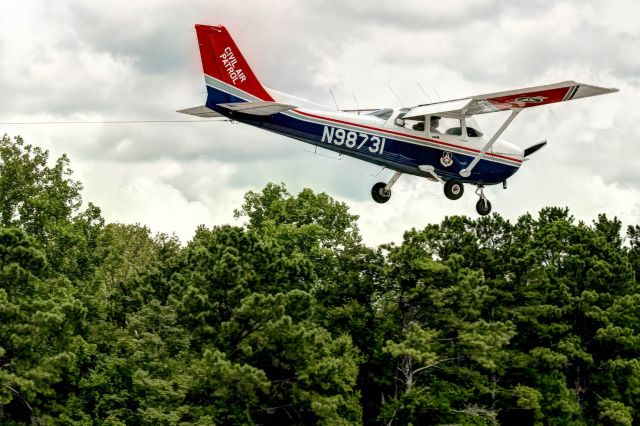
396	95
424	91
437	94
357	105
334	100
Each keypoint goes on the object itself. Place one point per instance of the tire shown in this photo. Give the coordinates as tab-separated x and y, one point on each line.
482	208
453	189
378	195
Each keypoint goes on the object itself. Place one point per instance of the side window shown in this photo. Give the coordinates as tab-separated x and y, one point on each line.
446	125
418	126
472	128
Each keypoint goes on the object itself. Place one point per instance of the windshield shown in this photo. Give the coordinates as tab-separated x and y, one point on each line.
382	114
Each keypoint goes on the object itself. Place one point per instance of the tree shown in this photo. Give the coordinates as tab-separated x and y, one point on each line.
347	275
45	202
633	235
245	298
39	324
448	354
33	195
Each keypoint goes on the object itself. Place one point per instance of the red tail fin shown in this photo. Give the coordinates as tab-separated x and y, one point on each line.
222	60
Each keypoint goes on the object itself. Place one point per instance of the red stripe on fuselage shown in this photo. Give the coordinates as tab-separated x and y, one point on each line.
405	135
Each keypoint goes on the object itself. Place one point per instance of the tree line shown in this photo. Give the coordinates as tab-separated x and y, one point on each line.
292	319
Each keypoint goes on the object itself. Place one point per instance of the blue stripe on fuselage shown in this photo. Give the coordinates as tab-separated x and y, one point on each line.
397	155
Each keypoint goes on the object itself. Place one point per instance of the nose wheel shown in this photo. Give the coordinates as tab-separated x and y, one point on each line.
483	206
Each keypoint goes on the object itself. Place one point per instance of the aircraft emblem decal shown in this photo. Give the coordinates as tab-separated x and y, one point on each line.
230	62
447	159
531	99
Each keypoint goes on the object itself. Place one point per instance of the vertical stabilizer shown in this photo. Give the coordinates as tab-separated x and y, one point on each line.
227	74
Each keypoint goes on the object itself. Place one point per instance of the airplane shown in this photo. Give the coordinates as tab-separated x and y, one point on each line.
451	149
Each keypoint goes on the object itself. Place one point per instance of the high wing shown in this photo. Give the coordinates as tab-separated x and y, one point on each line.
509	100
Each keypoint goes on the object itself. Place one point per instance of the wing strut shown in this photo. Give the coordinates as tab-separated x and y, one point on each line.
432	171
466	172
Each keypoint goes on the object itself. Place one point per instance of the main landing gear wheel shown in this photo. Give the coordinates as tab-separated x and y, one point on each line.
379	194
453	189
483	206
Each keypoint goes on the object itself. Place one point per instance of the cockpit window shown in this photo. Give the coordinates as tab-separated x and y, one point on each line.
382	114
472	128
411	124
447	125
471	132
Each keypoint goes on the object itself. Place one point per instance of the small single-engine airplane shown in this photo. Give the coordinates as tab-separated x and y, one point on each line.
439	141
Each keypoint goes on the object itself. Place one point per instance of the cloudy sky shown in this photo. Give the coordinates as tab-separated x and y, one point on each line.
127	60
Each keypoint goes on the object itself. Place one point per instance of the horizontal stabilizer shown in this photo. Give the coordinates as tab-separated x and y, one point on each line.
200	111
257	108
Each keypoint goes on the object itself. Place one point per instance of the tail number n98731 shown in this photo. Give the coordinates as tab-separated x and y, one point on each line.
353	140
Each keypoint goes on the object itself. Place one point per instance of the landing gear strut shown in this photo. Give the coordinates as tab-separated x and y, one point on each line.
483	206
381	192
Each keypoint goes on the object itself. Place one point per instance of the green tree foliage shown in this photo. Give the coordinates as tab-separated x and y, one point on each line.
40	330
291	319
33	195
42	199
